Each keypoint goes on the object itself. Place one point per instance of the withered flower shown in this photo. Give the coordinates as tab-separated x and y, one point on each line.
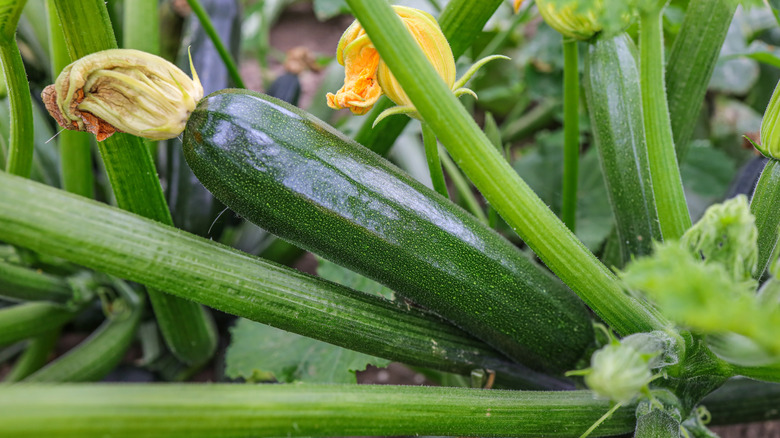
123	90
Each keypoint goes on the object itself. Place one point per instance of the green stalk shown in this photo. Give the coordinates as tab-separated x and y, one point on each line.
208	27
571	127
34	357
670	199
186	327
768	373
434	164
20	147
19	283
764	206
463	187
499	183
225	410
691	63
28	320
109	240
97	355
461	22
141	26
75	147
141	31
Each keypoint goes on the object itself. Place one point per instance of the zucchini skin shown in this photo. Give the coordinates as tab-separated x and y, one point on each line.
302	180
614	97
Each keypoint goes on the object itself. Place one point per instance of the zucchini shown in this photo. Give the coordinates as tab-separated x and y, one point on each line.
615	107
302	180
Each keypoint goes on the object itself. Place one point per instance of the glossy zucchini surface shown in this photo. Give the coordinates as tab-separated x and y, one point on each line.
302	180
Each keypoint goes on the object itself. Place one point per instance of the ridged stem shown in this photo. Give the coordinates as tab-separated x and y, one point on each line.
19	283
128	246
691	63
20	147
672	209
463	187
434	163
461	22
522	209
28	320
225	410
765	206
75	147
34	357
97	355
208	27
571	132
186	327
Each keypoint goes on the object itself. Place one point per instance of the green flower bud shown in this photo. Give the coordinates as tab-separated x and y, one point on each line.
569	21
770	127
618	372
123	90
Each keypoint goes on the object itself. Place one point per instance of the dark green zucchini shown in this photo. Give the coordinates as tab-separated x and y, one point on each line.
302	180
612	89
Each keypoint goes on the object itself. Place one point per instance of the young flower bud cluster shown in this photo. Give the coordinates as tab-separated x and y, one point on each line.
569	21
123	90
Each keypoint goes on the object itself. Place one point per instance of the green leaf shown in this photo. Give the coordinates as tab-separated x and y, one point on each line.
542	169
259	352
325	9
707	171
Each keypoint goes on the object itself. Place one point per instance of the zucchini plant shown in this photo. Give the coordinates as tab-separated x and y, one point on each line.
626	315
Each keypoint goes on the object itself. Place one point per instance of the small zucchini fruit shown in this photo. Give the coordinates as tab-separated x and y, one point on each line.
612	90
302	180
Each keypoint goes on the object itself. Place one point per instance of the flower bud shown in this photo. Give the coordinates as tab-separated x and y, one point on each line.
770	127
123	90
618	372
569	21
367	77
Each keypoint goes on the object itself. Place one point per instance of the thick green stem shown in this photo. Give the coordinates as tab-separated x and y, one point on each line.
125	245
571	129
463	187
20	147
765	206
75	147
186	327
769	373
670	199
97	355
34	357
499	183
19	283
434	164
227	59
28	320
222	410
691	63
141	26
461	22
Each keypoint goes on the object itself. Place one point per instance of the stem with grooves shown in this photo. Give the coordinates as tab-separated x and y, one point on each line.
672	209
571	127
188	330
20	146
434	164
75	146
463	187
522	209
230	410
